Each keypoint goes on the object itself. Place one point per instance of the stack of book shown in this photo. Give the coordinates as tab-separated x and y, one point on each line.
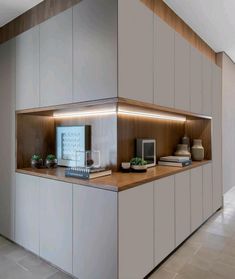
175	161
86	173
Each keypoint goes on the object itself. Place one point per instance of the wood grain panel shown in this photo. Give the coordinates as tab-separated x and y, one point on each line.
35	135
34	16
167	134
196	128
117	181
170	17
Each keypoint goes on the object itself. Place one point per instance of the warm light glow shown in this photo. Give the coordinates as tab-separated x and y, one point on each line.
152	115
85	113
120	111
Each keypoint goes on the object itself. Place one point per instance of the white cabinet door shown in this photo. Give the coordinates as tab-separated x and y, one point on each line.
95	233
56	223
95	50
27	212
182	73
182	206
135	212
7	138
163	63
217	138
195	81
164	218
27	69
207	192
206	86
56	60
135	50
196	198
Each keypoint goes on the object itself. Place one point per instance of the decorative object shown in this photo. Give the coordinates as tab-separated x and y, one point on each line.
138	164
182	150
36	161
51	161
126	166
186	140
146	150
197	150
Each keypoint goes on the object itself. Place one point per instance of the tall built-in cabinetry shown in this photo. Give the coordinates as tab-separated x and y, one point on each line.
95	51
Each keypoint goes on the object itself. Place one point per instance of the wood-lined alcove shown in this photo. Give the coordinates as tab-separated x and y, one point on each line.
114	135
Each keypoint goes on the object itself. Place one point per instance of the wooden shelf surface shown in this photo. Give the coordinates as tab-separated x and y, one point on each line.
116	182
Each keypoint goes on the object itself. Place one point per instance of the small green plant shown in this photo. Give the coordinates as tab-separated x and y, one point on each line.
138	162
36	157
51	157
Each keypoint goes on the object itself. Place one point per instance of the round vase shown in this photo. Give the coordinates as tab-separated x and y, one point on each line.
182	150
37	164
197	150
186	140
50	164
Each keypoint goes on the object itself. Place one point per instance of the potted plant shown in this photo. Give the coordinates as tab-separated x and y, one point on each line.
51	161
138	164
36	161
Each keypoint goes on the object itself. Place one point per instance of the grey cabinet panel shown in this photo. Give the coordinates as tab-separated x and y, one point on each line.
27	69
56	223
95	233
195	81
196	198
207	86
207	191
217	137
163	63
182	206
135	50
182	73
56	60
7	139
27	212
95	50
135	213
164	218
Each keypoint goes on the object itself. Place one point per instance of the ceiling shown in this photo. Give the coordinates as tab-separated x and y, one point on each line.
212	20
10	9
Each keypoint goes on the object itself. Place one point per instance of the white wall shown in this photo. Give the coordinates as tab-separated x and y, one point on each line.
228	121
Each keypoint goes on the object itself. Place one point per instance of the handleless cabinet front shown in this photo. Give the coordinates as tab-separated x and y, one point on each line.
182	73
196	198
163	63
56	223
182	206
94	50
164	218
56	60
195	81
27	69
135	50
135	232
27	212
206	86
217	137
207	191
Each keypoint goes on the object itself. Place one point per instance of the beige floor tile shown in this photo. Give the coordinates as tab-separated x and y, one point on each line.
191	272
223	270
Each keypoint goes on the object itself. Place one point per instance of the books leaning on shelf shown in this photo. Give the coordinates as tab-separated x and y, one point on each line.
184	163
86	173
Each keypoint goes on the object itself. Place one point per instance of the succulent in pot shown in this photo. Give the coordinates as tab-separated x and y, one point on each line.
138	164
36	161
51	161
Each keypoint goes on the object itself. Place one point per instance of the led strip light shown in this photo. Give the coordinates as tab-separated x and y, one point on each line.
120	112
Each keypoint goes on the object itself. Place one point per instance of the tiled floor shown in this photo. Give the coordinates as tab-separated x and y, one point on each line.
208	254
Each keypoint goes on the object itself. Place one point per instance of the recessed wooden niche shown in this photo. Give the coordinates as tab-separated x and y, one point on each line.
113	132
